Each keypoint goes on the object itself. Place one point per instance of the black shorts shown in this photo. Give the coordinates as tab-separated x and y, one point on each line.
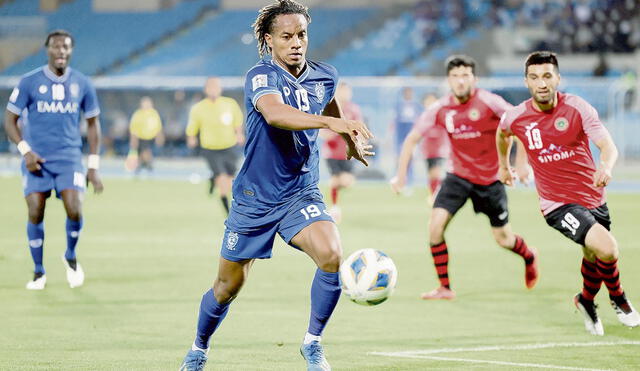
144	144
490	200
574	221
339	166
221	161
434	161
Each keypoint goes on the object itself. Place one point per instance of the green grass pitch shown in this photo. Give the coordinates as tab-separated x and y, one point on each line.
150	249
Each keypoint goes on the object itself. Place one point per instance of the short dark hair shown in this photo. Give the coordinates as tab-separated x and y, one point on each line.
268	14
458	60
55	33
541	57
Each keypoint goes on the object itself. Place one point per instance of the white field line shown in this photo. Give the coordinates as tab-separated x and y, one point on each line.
426	354
535	365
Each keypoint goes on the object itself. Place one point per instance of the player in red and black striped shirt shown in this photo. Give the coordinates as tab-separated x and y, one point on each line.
555	129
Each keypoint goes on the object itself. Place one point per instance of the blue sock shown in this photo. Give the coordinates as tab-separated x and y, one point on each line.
325	292
211	315
35	234
73	233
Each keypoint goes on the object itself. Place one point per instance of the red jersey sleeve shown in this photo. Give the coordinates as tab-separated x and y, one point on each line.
509	116
427	119
591	123
495	102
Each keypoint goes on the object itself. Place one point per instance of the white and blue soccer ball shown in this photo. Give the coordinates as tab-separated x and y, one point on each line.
368	277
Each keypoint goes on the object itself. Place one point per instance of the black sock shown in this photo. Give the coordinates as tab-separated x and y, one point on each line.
225	203
212	185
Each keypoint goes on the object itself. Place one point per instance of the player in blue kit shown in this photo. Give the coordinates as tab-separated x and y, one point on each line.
49	99
287	99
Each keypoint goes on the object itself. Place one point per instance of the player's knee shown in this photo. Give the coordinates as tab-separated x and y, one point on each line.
226	291
505	241
36	216
330	260
74	214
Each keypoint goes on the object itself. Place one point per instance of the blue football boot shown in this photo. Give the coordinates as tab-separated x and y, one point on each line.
194	361
314	355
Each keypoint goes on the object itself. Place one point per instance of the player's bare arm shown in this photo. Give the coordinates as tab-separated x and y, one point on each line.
521	165
503	143
357	149
31	158
410	142
283	116
93	137
608	158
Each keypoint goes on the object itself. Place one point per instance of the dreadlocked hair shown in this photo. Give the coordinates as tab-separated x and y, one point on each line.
267	16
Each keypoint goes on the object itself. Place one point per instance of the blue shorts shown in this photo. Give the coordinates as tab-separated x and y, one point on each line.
57	174
250	231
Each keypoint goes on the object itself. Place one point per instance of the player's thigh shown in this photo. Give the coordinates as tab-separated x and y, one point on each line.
573	221
346	179
453	194
321	241
308	227
72	200
492	201
36	202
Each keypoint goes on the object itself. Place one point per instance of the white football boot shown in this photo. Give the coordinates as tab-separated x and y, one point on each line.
626	313
37	283
75	277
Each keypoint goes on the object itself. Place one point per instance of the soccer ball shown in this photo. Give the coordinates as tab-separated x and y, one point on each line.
368	277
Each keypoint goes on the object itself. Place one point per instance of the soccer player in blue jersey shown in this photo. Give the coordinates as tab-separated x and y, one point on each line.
287	99
49	100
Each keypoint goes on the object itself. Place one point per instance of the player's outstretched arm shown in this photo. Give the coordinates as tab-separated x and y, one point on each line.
31	158
283	116
503	142
93	137
410	142
608	158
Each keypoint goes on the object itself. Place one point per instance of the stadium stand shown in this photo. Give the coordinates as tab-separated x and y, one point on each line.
104	38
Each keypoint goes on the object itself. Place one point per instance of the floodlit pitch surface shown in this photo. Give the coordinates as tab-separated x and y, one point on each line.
149	249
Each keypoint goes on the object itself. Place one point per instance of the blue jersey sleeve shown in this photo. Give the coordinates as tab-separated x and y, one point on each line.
89	103
20	97
261	80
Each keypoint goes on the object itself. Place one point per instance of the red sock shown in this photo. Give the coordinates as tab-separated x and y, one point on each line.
611	277
591	280
441	261
434	184
334	195
521	249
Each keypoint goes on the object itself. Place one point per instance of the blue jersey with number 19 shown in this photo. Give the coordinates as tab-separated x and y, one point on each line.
53	104
280	164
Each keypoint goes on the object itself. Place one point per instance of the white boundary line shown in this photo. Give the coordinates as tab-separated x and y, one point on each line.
426	354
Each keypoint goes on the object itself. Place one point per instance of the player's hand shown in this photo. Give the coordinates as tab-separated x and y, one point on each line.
523	174
94	179
505	175
32	161
192	142
397	184
601	177
355	129
360	149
